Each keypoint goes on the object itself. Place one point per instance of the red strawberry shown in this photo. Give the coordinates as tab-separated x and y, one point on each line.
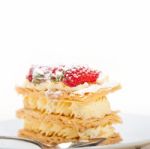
80	75
29	76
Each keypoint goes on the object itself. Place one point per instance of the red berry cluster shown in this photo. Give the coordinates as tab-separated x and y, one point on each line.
80	75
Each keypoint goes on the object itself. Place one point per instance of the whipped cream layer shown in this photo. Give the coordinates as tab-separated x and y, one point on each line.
92	109
52	129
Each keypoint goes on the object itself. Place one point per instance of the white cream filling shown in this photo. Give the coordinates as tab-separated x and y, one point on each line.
93	109
104	132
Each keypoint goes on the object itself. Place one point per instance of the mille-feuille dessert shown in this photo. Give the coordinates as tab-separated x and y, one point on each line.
64	104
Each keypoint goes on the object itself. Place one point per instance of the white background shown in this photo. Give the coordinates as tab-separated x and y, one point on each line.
113	35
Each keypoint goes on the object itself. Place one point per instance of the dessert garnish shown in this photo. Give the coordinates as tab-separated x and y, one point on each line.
71	77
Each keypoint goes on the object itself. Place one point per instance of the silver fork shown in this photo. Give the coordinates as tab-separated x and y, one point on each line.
66	145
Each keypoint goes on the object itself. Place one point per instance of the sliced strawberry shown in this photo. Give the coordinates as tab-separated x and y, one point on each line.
29	76
80	75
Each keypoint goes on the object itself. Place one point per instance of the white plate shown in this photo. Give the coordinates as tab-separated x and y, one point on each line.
135	131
